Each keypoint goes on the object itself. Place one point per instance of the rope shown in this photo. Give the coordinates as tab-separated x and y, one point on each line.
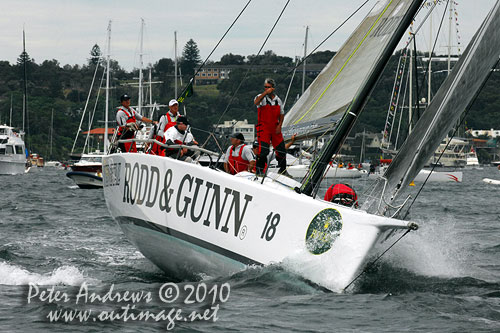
433	48
453	135
328	37
213	50
248	71
252	63
370	265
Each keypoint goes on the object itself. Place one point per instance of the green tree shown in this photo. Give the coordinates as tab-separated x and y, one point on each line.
190	58
232	59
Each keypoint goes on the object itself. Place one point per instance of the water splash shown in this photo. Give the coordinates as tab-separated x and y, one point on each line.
66	275
438	248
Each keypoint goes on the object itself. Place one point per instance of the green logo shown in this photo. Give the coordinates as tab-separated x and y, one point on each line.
323	230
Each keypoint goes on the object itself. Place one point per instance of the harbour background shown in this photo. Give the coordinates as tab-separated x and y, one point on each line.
445	277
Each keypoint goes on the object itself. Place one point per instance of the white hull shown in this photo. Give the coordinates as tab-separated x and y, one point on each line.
12	167
300	171
436	176
12	152
192	220
85	179
440	176
491	181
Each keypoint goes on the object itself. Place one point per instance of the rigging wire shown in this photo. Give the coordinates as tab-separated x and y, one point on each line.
91	121
215	47
86	103
433	48
299	62
454	132
370	265
250	67
328	37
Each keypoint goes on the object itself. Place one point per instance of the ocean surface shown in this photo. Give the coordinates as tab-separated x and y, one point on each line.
60	239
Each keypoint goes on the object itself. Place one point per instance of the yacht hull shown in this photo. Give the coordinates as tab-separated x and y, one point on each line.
12	167
85	180
191	220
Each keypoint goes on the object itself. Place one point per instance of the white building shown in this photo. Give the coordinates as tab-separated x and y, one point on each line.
234	126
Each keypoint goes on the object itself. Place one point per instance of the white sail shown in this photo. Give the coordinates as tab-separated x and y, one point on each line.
456	93
330	94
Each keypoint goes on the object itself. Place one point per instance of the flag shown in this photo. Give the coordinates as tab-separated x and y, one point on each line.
187	92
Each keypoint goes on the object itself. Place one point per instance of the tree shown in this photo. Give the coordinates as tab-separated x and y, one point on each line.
269	58
321	57
95	54
232	59
164	66
190	58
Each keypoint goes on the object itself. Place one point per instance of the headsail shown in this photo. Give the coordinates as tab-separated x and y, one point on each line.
329	96
453	97
387	32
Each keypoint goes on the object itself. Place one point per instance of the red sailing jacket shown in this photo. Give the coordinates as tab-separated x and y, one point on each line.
170	122
268	115
238	163
130	119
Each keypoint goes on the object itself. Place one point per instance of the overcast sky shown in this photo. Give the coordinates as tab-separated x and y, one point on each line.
66	30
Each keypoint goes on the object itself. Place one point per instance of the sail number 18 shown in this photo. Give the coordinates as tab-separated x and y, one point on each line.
270	229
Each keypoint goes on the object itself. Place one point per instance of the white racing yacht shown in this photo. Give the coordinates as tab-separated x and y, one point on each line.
192	220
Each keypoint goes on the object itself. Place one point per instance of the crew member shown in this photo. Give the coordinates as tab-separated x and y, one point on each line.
165	122
177	135
239	156
269	121
342	194
127	118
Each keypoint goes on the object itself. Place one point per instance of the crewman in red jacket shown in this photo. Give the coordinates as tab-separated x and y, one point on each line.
127	118
269	121
166	121
342	194
239	156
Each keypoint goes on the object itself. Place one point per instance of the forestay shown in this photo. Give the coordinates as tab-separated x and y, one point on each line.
453	97
328	97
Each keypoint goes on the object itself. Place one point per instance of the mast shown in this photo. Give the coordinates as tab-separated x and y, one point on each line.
150	88
429	74
304	62
312	181
107	91
175	64
449	36
10	119
140	66
25	86
410	97
51	132
362	148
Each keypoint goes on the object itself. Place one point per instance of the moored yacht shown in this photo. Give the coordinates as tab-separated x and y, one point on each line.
87	172
12	152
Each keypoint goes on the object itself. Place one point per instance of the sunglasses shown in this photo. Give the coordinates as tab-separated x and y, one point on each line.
267	87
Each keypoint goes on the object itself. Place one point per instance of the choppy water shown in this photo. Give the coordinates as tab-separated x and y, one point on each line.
445	277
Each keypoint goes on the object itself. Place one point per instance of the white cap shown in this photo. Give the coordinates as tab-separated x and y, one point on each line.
172	102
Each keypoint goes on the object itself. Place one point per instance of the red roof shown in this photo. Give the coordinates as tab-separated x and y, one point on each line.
100	131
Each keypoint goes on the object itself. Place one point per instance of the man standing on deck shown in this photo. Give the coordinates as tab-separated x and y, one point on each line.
165	122
269	120
127	118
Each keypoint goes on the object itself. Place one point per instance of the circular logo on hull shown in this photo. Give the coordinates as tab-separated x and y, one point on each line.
323	230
